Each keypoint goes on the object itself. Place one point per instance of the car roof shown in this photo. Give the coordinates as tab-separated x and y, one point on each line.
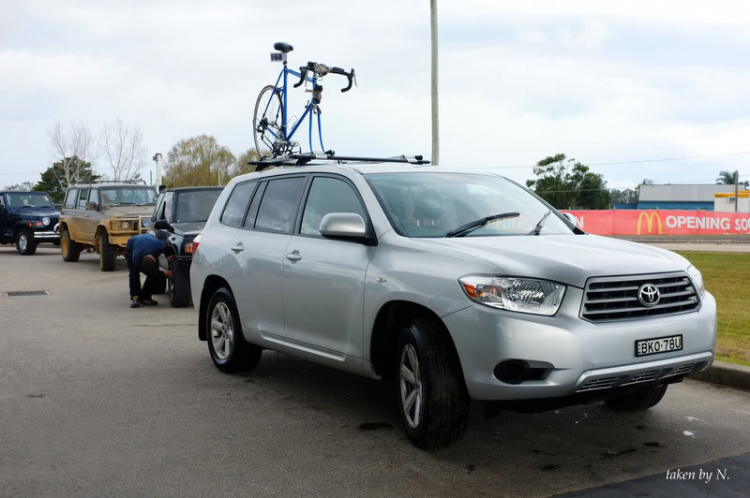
188	189
22	192
109	185
362	169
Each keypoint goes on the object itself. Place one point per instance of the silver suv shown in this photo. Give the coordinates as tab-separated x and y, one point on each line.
455	285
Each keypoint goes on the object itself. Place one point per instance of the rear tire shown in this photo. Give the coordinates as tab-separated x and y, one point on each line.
438	414
179	288
640	400
70	250
107	253
225	335
264	140
25	243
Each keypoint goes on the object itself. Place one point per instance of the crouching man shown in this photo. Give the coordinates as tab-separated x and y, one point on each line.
141	254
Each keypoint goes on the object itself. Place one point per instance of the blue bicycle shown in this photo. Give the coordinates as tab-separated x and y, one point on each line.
270	125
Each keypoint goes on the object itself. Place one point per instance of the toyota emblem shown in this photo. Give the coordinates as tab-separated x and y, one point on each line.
648	295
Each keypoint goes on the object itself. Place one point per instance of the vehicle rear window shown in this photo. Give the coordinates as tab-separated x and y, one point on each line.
278	209
195	206
236	206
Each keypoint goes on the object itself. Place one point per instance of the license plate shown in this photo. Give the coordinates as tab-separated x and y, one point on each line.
660	345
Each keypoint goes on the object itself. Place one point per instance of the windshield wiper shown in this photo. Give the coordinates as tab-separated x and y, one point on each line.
538	228
464	229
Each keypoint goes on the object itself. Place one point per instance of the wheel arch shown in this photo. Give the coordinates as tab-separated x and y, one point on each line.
210	285
384	337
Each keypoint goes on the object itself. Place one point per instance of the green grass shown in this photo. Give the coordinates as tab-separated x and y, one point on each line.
727	277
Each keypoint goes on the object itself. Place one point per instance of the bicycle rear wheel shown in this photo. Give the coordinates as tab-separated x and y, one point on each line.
267	121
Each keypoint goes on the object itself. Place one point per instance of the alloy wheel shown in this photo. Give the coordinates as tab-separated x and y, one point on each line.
23	242
411	386
222	330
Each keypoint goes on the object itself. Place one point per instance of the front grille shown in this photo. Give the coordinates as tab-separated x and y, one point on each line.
616	298
636	378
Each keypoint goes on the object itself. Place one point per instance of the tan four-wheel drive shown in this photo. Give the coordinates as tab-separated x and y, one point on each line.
102	217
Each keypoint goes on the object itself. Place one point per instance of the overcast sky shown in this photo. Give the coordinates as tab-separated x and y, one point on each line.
600	81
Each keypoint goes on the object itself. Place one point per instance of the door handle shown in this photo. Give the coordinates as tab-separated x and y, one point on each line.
293	256
238	248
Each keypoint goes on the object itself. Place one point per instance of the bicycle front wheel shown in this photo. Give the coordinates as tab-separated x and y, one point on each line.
267	121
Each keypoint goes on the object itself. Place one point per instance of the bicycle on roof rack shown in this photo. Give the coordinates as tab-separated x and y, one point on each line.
270	124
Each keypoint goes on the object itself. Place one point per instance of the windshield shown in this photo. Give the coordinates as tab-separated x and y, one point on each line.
29	199
436	204
195	206
143	196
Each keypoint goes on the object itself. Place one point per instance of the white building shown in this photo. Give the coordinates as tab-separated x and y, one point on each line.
724	202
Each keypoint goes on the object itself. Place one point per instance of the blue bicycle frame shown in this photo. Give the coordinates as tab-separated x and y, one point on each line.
285	72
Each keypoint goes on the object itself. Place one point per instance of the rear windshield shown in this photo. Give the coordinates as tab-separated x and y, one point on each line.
29	199
127	196
195	206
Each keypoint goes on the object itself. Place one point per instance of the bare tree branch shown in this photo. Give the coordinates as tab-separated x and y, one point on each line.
123	149
73	148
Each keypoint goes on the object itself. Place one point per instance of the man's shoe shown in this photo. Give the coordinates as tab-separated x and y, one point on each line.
148	302
135	303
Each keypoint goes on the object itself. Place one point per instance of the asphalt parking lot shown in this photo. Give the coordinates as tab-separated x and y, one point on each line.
97	399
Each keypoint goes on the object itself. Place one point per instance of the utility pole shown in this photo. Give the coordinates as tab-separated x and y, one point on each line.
736	190
157	159
434	75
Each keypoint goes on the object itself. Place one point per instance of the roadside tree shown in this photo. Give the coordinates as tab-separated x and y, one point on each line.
198	160
569	184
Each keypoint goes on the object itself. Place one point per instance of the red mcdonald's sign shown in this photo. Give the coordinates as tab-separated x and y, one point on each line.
661	222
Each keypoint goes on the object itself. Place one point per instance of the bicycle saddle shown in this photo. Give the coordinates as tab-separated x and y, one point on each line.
283	47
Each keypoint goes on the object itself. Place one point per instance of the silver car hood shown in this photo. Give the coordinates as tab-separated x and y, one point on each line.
568	259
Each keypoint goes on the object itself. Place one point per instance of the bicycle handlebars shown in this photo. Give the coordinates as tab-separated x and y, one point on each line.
322	70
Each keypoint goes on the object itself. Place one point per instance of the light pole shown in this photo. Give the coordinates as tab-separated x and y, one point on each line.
157	160
434	76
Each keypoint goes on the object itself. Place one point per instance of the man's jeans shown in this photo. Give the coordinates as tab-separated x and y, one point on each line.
134	277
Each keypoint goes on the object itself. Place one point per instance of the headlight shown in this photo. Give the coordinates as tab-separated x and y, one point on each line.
124	225
697	278
146	223
45	221
524	295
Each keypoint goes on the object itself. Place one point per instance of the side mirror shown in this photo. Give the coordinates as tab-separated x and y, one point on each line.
163	225
92	206
346	226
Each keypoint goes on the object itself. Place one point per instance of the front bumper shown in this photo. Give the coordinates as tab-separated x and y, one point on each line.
47	235
582	356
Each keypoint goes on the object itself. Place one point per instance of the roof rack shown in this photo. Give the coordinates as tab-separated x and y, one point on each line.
303	159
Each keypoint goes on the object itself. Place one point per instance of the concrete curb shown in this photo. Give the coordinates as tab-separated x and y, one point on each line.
726	374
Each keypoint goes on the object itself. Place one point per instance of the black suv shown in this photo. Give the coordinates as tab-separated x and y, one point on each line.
27	219
182	213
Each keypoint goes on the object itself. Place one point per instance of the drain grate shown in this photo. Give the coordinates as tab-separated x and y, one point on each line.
27	293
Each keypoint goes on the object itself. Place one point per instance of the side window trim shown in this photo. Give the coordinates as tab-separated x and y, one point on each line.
306	194
305	187
259	191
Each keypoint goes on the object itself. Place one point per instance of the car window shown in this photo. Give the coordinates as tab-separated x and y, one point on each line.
436	204
94	196
159	211
328	195
278	208
83	199
195	205
167	213
236	206
70	200
136	196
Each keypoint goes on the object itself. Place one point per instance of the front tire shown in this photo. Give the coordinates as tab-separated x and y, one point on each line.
432	398
25	243
227	346
70	250
107	253
640	400
268	107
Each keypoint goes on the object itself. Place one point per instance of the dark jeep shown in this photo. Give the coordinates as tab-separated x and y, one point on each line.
27	219
182	213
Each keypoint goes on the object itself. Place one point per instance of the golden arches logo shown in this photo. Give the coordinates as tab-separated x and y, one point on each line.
649	221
